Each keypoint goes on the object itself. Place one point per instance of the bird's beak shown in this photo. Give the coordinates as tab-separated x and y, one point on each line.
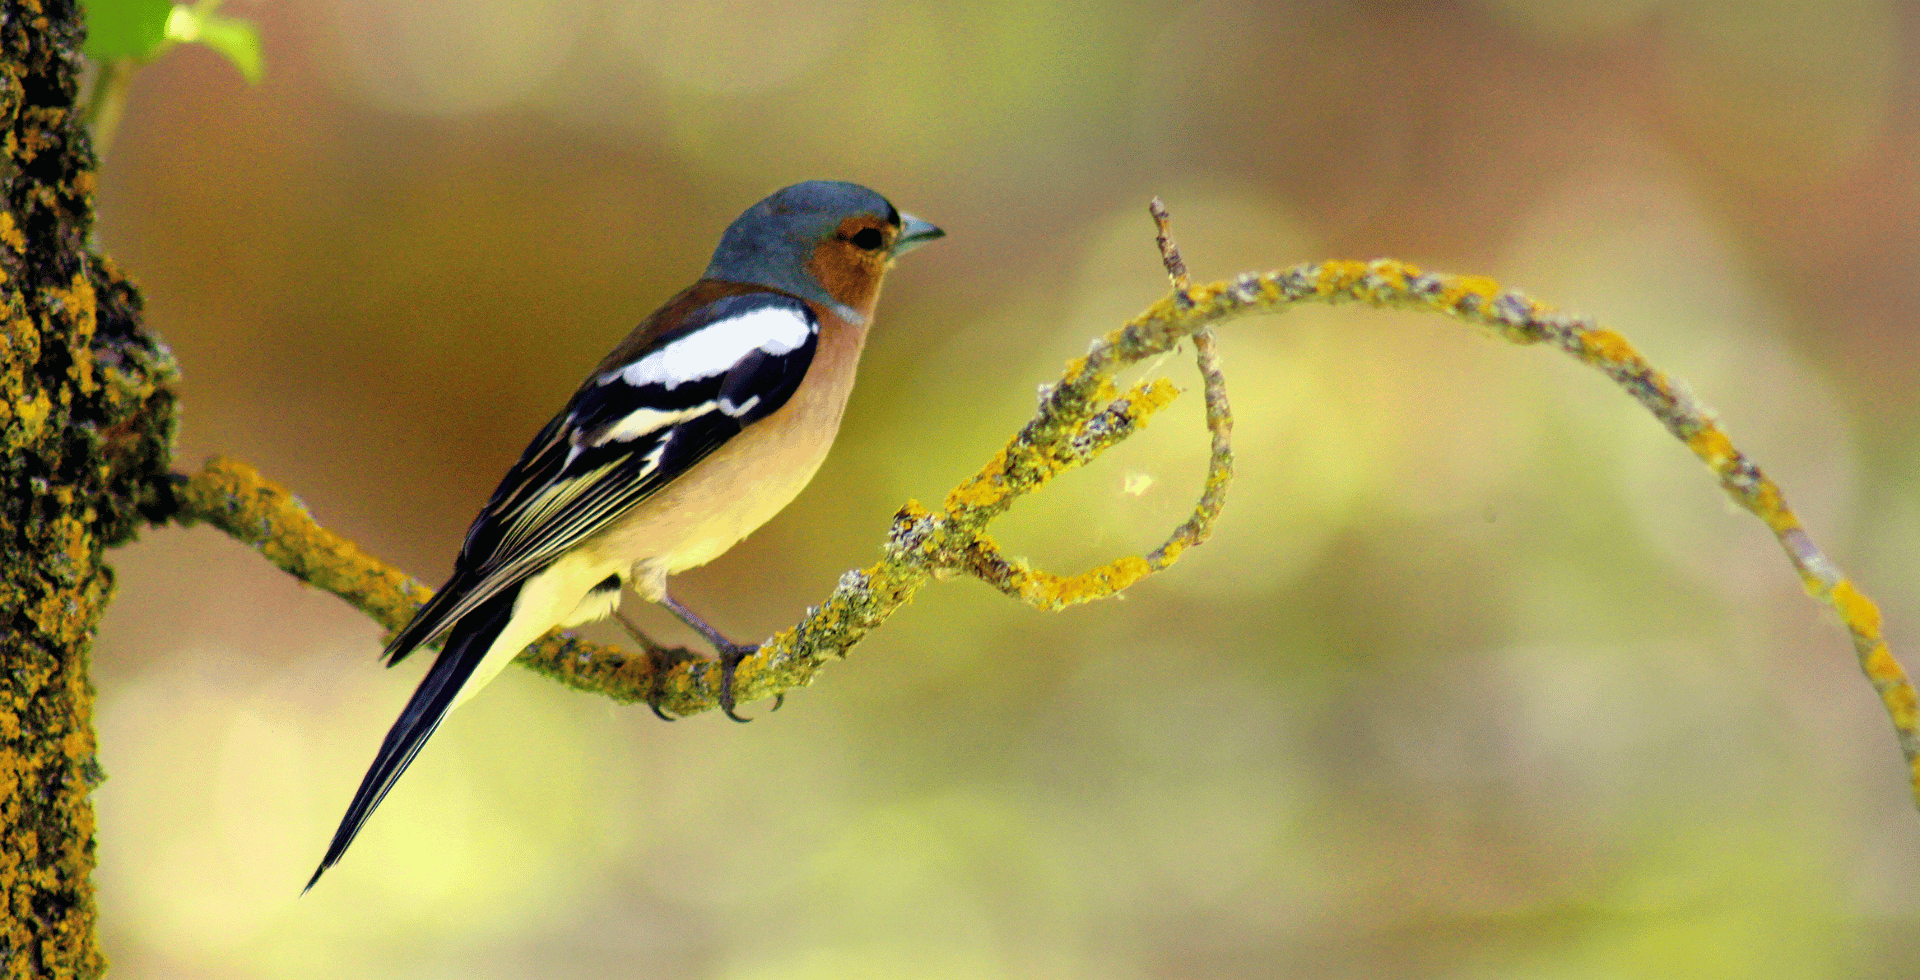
913	234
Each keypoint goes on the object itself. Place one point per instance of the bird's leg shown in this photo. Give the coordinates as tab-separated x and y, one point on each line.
663	659
731	653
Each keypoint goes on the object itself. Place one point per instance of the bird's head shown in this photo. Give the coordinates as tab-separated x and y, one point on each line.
823	240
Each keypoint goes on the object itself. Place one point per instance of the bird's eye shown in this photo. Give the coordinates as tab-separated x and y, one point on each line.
868	238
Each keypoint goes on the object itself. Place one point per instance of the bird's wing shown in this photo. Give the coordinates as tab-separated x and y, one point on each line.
634	427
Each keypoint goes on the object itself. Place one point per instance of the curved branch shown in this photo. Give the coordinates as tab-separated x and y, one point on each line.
1063	433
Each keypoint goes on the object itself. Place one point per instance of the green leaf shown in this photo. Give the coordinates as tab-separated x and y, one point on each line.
237	39
125	28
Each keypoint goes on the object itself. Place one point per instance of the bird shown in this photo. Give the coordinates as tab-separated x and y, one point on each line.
700	426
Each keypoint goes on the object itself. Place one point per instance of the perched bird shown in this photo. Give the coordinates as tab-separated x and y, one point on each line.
698	428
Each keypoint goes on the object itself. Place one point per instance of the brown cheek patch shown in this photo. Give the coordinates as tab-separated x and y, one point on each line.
849	275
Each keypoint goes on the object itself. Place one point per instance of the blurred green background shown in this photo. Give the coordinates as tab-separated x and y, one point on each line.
1480	677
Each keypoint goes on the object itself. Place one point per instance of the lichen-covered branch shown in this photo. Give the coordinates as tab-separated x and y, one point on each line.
235	498
1079	416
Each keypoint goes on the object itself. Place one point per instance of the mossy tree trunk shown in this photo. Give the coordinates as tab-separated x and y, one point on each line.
85	423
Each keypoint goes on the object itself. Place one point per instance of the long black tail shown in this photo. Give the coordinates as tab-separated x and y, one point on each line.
466	644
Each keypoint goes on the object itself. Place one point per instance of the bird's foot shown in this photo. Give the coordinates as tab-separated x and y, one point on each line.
731	654
661	660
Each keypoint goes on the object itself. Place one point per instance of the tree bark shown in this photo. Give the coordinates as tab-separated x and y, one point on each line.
86	420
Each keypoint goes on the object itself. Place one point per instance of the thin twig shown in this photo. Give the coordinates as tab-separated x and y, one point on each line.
1213	495
1163	236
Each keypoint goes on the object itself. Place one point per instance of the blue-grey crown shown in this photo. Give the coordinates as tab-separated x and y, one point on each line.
770	244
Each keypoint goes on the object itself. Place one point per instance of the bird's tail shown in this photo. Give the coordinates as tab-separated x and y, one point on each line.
467	644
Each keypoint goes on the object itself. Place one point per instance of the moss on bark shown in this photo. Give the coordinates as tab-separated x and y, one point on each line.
86	419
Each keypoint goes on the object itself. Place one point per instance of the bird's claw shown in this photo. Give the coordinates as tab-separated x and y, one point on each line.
730	657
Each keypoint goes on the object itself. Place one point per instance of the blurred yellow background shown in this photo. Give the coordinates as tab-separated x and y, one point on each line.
1480	677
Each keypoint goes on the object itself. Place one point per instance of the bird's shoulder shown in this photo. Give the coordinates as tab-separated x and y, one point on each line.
696	306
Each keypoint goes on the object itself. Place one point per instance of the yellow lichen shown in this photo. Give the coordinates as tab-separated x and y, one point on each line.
1458	288
32	414
1393	274
987	488
1098	583
1170	552
1713	447
1771	508
79	543
1203	295
1886	671
1153	398
1338	277
1607	346
1859	612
